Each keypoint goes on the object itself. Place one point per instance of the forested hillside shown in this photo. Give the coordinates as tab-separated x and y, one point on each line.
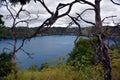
25	31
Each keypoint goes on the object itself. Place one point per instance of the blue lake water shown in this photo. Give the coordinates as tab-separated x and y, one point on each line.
42	48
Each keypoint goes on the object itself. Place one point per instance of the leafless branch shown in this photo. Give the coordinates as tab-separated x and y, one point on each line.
44	5
86	2
22	21
26	21
13	9
69	9
26	12
17	15
80	16
7	6
70	24
22	44
51	20
114	2
74	20
10	44
113	20
108	17
29	54
86	20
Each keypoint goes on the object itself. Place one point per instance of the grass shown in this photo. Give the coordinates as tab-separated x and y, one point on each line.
67	72
58	72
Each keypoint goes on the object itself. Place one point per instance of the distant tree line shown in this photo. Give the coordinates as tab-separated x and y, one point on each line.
22	32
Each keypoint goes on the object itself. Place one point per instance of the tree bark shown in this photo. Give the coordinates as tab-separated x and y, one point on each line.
103	49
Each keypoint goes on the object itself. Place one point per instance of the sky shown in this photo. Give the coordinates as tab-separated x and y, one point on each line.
36	9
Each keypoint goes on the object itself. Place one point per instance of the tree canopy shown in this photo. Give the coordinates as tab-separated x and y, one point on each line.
1	21
6	65
82	54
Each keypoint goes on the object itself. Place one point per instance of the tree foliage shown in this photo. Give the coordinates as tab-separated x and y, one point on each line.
2	28
6	65
1	21
3	32
82	54
44	65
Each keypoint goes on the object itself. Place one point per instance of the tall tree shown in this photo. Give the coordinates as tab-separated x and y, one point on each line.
102	48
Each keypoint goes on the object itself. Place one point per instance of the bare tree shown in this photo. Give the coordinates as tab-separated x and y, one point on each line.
15	16
102	48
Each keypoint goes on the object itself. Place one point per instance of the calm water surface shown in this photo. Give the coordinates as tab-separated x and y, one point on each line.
42	48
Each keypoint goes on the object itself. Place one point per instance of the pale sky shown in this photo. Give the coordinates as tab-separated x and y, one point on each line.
107	9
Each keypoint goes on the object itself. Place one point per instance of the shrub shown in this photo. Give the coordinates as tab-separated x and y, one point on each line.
6	65
44	65
82	54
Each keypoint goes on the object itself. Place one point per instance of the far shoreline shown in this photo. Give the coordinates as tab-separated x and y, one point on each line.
39	35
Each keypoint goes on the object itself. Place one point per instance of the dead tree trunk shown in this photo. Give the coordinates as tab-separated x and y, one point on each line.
103	49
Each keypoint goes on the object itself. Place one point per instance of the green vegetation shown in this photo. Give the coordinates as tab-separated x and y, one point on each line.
78	67
6	65
61	31
25	31
21	32
82	54
2	28
3	32
1	21
115	54
66	72
59	72
44	65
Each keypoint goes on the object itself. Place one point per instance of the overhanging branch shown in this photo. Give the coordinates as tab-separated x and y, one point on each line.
51	20
108	17
44	5
75	21
86	2
80	16
114	2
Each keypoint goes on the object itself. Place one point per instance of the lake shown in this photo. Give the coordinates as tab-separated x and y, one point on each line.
43	49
